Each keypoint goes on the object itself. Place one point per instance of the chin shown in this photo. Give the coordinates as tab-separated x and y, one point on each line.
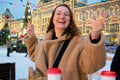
62	28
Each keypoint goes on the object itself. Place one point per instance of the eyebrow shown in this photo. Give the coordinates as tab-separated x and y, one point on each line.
64	12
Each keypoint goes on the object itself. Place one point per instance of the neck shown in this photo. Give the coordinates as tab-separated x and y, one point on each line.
58	33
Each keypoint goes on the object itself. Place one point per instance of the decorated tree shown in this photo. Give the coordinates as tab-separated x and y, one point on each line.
4	34
27	16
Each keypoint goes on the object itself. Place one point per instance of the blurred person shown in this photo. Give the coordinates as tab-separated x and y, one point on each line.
26	53
63	46
8	48
115	65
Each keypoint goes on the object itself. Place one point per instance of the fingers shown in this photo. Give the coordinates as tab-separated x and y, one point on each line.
104	15
100	20
93	23
29	21
30	29
97	20
30	25
104	18
96	16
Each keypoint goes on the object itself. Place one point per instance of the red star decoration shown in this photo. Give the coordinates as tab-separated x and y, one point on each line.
7	17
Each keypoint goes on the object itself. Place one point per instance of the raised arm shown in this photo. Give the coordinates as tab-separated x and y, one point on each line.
97	25
31	41
93	56
30	29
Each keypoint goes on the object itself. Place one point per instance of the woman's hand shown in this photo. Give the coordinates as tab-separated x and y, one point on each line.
30	29
97	25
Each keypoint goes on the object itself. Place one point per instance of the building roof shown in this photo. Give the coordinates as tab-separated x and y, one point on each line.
7	14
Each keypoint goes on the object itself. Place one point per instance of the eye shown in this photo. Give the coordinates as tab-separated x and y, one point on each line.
58	13
67	14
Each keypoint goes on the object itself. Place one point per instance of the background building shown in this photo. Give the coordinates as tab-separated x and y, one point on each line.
83	13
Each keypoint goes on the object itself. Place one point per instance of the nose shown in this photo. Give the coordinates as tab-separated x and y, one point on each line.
62	16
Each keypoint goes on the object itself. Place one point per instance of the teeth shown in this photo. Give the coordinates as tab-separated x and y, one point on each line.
62	22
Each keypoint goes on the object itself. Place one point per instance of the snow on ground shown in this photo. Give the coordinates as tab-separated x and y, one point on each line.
22	63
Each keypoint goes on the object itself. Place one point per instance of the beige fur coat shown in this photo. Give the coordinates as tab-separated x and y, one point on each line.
80	58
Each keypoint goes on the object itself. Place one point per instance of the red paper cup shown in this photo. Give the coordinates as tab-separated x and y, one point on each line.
108	75
54	74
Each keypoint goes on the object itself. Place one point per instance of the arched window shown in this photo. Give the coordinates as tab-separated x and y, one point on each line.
111	10
76	16
87	14
103	10
114	25
98	11
91	14
80	16
117	10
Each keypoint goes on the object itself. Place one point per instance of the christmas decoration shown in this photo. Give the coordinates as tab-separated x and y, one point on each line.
21	3
27	15
4	34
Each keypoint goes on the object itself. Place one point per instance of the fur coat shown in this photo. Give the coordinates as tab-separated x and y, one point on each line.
80	58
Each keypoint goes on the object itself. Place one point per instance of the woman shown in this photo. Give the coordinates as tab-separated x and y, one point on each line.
115	65
80	57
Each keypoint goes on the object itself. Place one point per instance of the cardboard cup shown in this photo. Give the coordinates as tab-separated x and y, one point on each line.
54	74
108	75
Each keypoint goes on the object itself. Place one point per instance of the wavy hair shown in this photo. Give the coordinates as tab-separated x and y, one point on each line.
71	29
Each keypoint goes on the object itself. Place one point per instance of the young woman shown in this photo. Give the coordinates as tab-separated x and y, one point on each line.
64	47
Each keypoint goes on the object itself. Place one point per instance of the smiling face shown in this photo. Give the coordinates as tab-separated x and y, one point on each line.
61	18
62	22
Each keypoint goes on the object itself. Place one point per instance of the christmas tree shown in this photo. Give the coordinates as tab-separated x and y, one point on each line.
4	34
27	15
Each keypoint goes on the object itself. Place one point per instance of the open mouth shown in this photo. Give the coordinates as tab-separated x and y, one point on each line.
62	22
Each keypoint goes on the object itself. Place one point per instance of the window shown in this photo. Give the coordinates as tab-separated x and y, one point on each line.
117	10
111	11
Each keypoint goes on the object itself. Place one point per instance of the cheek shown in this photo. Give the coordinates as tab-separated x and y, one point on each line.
68	21
54	20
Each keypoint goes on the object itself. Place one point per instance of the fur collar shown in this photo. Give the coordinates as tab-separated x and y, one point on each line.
50	34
